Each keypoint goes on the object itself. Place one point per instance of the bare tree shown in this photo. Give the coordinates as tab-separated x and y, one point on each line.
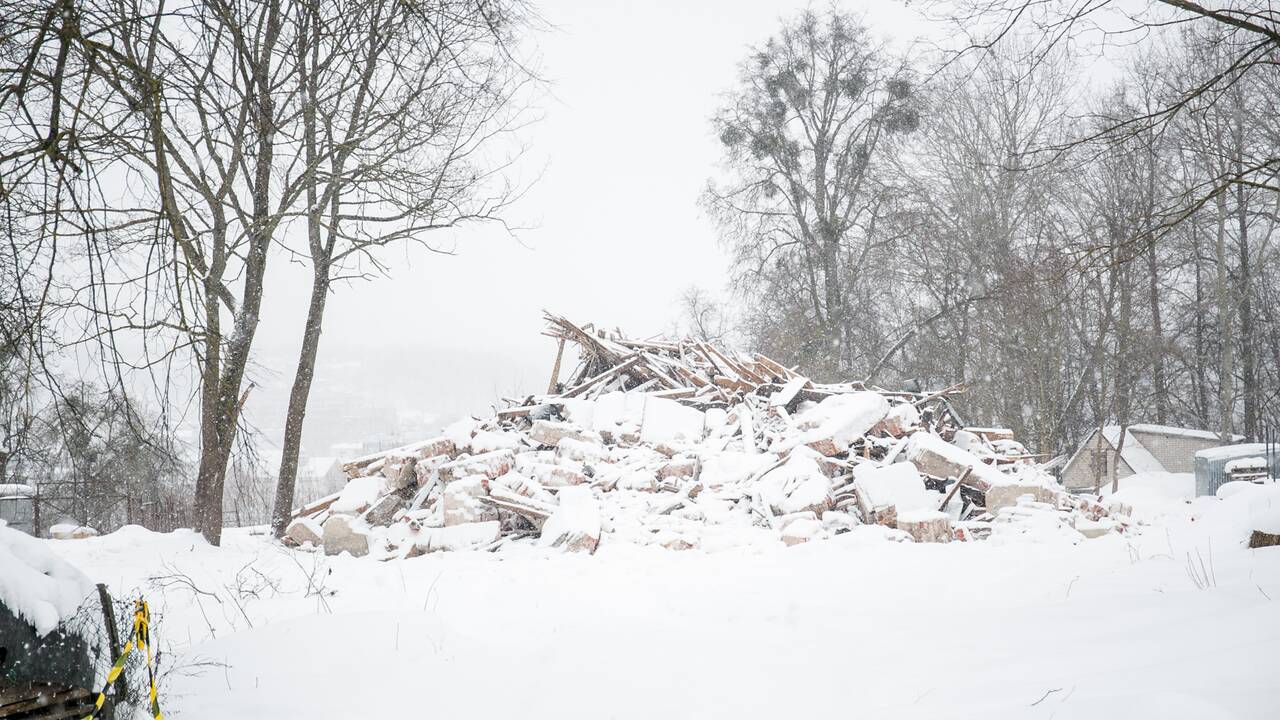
398	101
815	108
702	316
1249	31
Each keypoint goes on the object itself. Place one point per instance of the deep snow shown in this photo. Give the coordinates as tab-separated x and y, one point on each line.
1178	621
36	584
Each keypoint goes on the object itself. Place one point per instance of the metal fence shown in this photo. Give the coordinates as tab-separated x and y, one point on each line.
1211	465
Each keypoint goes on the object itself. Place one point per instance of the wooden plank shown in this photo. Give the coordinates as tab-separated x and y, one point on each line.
653	365
555	369
611	372
741	371
316	506
955	488
952	390
675	393
775	367
731	384
691	376
45	701
715	367
990	434
789	391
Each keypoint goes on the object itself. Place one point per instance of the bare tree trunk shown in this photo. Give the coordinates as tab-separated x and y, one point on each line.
1158	381
219	422
1244	289
1226	360
1124	374
1115	466
1200	382
298	403
282	509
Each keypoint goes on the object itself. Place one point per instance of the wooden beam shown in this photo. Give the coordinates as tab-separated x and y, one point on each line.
955	488
555	369
611	372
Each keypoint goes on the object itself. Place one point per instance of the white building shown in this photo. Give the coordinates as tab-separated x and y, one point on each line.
318	477
1146	449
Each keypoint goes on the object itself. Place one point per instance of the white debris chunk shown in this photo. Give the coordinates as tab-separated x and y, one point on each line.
575	525
842	419
490	465
358	495
667	421
549	433
487	441
305	530
71	531
926	525
463	502
798	485
467	536
345	534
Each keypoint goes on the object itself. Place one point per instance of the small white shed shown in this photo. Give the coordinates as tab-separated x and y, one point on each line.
1146	448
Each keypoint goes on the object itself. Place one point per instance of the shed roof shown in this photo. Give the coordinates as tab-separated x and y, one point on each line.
1134	453
1178	432
1227	452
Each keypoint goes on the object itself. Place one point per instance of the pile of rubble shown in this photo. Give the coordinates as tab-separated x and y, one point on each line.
684	445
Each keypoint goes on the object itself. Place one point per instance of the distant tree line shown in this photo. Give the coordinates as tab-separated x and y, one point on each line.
1080	255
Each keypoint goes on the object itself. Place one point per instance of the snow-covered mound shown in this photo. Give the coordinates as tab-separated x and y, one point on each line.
37	585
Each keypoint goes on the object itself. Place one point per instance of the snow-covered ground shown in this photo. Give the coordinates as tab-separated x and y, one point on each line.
1178	621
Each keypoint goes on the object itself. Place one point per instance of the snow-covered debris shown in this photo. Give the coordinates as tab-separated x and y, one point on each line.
935	456
926	525
575	525
487	441
36	585
798	485
71	531
468	536
359	494
886	492
345	534
679	444
840	420
669	421
1249	464
550	433
463	501
305	530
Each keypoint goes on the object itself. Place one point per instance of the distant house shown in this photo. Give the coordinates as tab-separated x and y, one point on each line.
1146	449
318	477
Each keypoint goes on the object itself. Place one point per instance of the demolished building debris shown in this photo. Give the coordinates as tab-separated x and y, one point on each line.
678	443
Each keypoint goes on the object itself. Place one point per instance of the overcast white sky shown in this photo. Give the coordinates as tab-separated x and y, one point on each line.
627	146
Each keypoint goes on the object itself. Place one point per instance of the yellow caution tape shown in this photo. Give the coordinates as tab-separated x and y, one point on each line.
139	637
